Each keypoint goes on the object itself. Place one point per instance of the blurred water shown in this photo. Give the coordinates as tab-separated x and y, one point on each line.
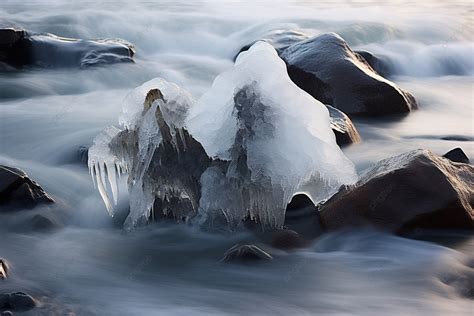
91	267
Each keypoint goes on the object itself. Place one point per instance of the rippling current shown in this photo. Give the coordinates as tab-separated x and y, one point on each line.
91	266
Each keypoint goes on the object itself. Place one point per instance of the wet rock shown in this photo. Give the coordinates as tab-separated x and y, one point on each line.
6	313
287	239
18	301
279	39
245	254
10	36
302	216
17	190
415	190
3	269
19	48
328	69
457	155
342	126
381	64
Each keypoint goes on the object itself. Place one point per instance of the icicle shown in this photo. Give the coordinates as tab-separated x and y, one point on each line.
112	181
103	193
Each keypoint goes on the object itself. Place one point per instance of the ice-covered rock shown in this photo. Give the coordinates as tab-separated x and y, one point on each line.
277	139
153	148
242	150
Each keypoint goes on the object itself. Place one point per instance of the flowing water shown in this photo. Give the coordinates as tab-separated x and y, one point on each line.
90	266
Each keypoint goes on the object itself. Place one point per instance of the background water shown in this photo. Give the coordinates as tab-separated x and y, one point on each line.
92	267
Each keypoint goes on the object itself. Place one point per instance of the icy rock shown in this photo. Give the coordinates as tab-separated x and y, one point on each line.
162	160
241	151
276	138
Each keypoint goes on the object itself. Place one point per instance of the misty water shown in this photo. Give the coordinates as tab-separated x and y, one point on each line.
90	266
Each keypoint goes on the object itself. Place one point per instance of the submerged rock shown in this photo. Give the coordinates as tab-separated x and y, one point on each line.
17	190
18	301
19	48
245	254
342	126
328	69
414	190
287	239
42	223
457	155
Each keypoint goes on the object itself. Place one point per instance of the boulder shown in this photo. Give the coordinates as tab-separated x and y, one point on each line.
287	239
342	126
18	301
245	254
457	155
19	48
415	190
17	190
329	70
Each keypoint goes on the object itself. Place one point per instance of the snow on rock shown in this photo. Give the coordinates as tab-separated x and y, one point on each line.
276	137
242	150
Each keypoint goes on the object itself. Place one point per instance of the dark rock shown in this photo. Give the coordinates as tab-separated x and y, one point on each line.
19	48
17	190
3	269
6	313
10	36
302	216
381	64
458	138
245	254
343	128
41	223
279	39
327	68
287	239
415	190
457	155
18	301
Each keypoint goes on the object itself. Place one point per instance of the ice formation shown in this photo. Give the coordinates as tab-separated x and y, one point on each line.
276	138
150	138
241	151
